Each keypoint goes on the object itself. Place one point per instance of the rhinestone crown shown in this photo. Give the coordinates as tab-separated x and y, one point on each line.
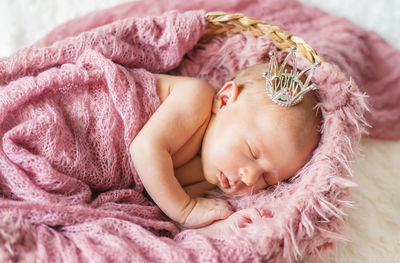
286	88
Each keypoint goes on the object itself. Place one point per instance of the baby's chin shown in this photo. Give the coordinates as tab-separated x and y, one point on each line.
232	191
225	191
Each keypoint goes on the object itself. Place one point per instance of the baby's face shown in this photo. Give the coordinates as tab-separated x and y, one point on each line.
249	146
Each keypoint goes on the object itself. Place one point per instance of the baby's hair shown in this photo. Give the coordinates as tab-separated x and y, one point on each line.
252	73
249	76
251	84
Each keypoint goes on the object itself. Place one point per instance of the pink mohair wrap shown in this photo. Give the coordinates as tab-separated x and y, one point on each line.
71	104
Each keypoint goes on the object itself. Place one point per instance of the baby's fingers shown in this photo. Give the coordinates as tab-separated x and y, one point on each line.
222	211
223	203
253	214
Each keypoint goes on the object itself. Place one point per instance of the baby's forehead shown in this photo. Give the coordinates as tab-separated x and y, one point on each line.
296	125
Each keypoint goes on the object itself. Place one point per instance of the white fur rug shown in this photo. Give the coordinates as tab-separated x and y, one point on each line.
373	227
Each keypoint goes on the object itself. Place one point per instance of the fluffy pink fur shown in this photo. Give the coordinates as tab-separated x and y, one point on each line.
111	222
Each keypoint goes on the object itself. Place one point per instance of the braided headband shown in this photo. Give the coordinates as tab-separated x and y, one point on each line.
284	88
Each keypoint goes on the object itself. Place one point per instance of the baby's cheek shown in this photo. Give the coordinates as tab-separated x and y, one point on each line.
261	184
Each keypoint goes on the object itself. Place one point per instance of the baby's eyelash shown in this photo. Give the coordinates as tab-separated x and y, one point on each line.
251	152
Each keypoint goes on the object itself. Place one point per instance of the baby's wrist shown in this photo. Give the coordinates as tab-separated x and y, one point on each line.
185	212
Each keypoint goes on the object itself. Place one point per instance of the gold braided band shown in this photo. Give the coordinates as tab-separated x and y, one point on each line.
220	23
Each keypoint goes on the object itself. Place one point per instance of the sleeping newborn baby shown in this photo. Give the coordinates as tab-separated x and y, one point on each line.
238	140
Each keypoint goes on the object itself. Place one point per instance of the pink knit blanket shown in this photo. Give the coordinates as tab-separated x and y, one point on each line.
71	104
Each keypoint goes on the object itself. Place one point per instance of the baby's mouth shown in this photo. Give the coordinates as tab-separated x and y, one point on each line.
224	181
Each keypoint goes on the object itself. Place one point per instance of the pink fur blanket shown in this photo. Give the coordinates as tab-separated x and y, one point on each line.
71	104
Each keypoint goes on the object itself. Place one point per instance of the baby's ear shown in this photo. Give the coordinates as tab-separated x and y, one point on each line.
227	95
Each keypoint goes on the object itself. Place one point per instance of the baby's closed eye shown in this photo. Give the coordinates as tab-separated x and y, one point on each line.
251	151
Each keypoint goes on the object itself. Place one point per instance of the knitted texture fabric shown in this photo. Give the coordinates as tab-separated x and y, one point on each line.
71	106
68	113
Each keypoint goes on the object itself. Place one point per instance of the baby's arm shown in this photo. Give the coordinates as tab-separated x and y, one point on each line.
186	108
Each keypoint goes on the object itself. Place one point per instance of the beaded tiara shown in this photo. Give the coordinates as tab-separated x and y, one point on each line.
286	88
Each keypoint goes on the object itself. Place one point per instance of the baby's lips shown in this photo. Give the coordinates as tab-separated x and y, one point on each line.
224	181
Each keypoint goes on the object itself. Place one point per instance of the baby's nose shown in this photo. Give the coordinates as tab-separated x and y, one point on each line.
248	176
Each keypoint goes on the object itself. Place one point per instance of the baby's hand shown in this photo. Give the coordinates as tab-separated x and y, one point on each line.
206	211
238	220
244	217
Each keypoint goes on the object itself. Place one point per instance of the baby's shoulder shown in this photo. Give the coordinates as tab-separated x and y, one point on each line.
188	88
